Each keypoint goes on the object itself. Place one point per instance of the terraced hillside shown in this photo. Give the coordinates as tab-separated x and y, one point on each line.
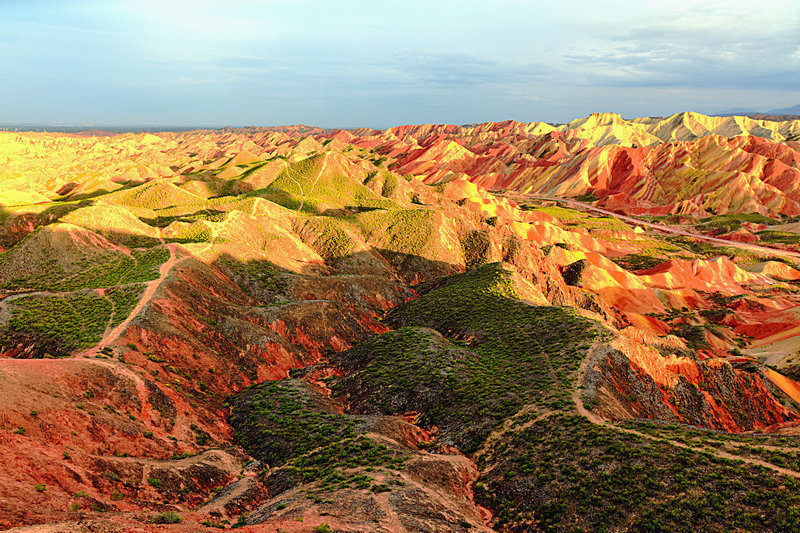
314	330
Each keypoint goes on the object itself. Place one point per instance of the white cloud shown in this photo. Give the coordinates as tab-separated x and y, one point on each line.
440	59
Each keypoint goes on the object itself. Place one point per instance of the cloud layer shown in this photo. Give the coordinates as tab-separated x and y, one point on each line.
383	63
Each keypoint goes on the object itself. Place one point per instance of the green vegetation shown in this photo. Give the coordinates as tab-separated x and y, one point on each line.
598	223
281	424
193	232
406	231
309	189
564	470
587	197
156	194
707	250
163	220
573	218
58	325
551	467
124	299
387	181
467	354
282	198
561	213
779	450
781	237
330	465
634	262
511	354
326	237
732	222
215	525
390	184
97	271
694	335
476	246
167	517
255	276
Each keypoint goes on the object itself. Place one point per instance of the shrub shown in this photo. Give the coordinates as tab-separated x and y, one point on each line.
167	517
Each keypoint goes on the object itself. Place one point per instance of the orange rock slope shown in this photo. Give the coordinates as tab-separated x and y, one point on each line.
687	163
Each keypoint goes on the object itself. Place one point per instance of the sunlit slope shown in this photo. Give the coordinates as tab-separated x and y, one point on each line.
386	344
687	163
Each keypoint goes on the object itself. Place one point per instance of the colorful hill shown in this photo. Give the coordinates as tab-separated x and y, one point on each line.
309	330
685	164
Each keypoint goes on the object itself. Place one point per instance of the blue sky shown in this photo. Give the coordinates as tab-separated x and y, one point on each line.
382	63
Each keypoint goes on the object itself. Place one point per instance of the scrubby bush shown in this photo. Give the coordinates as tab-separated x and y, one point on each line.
167	517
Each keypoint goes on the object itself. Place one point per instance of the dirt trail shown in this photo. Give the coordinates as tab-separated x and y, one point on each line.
507	426
660	227
233	491
717	453
597	420
152	287
576	393
579	379
141	389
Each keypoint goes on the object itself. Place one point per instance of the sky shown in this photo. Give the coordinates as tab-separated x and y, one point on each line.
381	63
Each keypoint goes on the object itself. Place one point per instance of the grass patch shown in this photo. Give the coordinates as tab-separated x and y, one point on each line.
501	354
406	231
303	180
193	232
326	237
707	250
255	277
780	237
167	517
277	422
57	325
565	470
280	423
732	222
124	299
634	262
92	272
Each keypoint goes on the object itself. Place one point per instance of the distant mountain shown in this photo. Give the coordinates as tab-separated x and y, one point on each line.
777	114
794	110
734	111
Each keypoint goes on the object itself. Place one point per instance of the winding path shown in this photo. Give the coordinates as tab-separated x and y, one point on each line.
152	286
584	366
597	420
